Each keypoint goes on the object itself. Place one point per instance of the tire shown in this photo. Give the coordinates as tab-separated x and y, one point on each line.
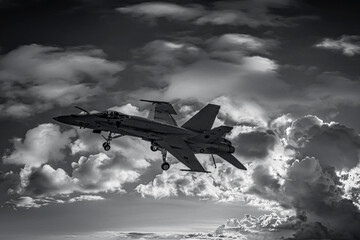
106	147
165	166
153	148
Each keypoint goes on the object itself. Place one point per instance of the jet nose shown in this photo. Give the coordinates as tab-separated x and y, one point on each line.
65	119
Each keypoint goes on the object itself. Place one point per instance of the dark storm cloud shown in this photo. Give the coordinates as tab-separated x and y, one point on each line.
36	78
255	144
9	185
250	13
318	191
348	45
333	144
267	186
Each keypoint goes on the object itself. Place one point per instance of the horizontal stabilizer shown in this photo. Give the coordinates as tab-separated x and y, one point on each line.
231	159
189	170
212	135
203	120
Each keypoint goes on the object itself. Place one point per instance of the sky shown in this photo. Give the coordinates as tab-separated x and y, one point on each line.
285	74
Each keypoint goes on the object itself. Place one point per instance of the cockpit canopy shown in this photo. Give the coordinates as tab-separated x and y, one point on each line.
113	114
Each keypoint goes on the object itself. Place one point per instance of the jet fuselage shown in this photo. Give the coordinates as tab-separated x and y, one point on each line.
123	124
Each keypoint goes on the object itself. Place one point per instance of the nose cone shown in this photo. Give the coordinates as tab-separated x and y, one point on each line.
66	119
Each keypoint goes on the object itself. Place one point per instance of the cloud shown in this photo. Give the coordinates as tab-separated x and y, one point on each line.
42	144
9	185
43	185
30	202
130	110
255	144
224	184
333	144
316	230
98	173
250	13
318	191
234	45
26	202
163	9
85	198
36	77
348	45
250	224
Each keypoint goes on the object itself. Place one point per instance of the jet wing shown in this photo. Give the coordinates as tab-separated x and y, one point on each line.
161	112
231	159
183	153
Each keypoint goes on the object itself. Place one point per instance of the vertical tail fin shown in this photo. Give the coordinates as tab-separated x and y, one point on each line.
203	120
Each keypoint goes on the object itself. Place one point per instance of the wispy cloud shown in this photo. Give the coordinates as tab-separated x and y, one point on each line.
251	13
347	45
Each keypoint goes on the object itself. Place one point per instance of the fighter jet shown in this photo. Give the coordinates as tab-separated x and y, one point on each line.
161	130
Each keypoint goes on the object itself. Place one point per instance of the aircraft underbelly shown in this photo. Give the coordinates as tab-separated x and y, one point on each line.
211	148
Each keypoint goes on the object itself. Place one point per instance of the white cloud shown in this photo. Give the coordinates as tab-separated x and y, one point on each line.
130	110
348	45
98	173
225	183
163	9
26	202
251	13
41	144
241	42
44	76
85	198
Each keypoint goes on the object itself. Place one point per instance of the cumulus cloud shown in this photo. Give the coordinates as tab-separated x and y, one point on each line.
94	172
317	190
224	184
38	186
312	186
36	77
333	144
255	144
249	13
348	45
42	144
101	173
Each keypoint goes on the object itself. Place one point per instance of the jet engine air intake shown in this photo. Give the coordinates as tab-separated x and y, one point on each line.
223	148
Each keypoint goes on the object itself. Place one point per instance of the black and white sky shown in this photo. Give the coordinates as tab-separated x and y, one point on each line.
285	72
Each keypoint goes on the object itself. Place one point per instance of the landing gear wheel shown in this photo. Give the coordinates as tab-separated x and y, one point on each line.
165	166
153	148
106	146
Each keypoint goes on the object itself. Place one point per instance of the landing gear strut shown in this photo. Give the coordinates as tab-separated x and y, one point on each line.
165	166
108	139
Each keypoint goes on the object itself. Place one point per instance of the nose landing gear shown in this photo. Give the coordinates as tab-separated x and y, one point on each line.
106	145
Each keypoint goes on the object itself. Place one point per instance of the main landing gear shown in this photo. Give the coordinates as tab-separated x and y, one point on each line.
106	145
165	165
